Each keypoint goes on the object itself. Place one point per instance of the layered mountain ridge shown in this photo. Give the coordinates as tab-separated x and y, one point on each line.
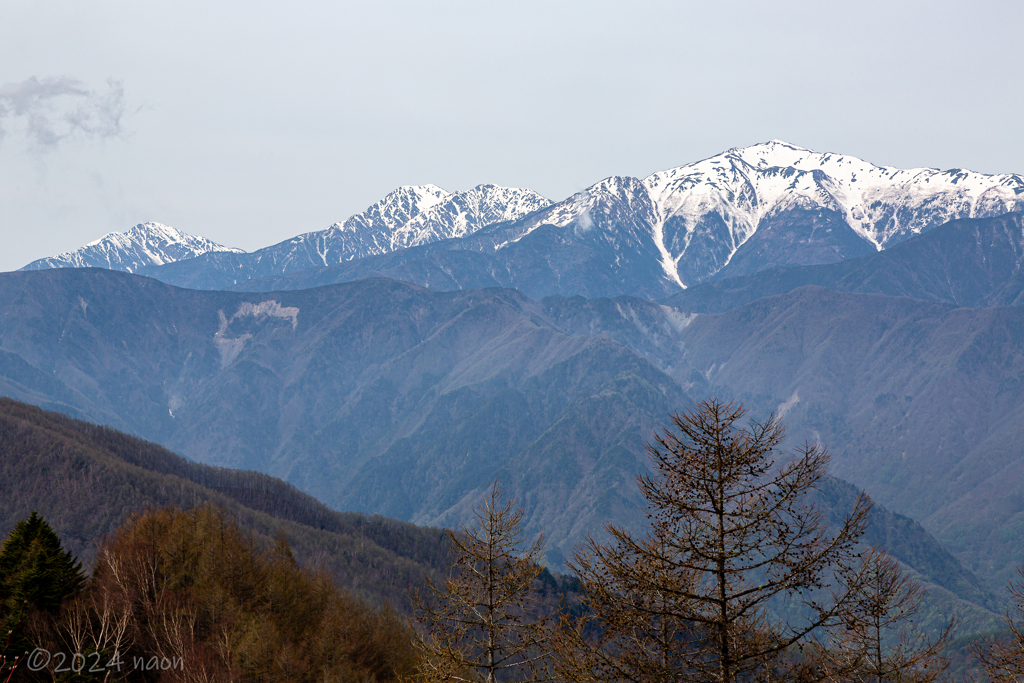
87	479
704	217
409	216
406	217
742	212
737	213
383	396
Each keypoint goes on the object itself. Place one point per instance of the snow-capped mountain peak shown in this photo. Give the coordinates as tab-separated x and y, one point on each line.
146	244
743	187
463	213
738	212
884	205
396	208
419	214
406	217
702	214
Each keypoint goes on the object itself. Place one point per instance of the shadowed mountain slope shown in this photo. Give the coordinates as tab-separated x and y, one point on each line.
383	396
921	403
87	479
969	262
376	395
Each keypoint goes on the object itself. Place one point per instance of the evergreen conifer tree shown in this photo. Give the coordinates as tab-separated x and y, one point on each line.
35	571
36	575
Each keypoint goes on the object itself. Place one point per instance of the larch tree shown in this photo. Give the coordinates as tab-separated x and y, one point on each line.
634	627
1003	658
729	532
483	620
874	638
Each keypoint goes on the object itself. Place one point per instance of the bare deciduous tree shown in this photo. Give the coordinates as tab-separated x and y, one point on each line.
729	532
101	620
482	619
635	628
1003	658
874	638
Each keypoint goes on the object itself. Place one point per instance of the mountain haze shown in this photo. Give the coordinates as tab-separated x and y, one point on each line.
372	396
87	479
383	396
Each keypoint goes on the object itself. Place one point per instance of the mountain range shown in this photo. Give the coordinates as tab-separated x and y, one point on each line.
87	480
382	396
737	213
399	361
407	217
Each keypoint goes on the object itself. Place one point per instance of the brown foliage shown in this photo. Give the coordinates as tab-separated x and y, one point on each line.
1003	658
89	479
874	638
193	587
484	618
729	532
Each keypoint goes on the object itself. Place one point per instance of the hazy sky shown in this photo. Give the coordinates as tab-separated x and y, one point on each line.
250	122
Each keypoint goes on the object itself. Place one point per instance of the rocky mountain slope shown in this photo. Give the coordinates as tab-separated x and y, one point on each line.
383	396
407	217
146	244
741	212
968	262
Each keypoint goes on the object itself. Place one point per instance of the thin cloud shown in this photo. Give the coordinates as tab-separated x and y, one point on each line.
51	110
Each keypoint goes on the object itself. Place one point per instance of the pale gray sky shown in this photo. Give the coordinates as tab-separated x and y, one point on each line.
250	122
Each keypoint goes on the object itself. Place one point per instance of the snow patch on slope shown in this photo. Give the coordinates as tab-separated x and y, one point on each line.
788	404
408	217
742	187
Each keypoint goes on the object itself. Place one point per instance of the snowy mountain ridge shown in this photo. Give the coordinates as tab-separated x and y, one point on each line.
413	215
742	211
409	216
701	214
146	244
866	194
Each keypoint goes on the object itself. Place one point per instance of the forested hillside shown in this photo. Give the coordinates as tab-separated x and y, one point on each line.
88	479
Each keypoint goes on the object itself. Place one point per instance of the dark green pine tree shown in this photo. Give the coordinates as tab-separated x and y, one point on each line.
36	574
